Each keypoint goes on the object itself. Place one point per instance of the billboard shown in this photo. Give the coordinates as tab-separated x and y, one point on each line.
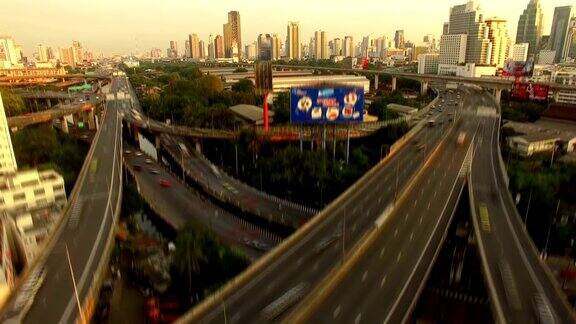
518	69
326	105
524	91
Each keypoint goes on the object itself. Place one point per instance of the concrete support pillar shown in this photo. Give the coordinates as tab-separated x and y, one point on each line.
64	124
497	95
49	102
393	83
91	120
424	88
555	95
157	142
198	147
376	82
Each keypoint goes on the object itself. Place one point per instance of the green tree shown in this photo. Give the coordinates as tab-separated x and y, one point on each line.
13	103
189	253
281	108
243	85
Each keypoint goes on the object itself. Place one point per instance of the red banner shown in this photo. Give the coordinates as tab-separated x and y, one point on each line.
528	91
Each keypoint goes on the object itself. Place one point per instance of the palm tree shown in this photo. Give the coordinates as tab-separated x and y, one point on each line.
189	254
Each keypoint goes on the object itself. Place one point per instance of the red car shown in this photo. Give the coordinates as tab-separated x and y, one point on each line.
165	183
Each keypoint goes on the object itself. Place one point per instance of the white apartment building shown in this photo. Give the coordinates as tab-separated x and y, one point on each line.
452	53
498	36
9	54
30	189
519	52
565	75
7	157
428	63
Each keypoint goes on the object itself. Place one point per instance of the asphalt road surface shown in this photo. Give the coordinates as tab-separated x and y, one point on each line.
311	259
178	205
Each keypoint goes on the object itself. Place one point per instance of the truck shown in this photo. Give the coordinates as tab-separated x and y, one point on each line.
461	138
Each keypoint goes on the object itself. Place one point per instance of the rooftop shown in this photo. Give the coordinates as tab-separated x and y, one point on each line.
250	113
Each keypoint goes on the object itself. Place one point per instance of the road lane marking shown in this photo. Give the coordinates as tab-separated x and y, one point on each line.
336	312
383	281
382	251
358	318
399	257
364	275
395	232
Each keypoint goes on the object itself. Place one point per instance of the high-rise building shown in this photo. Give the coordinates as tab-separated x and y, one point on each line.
519	52
187	48
293	51
430	41
194	46
399	39
7	157
419	50
42	53
498	36
321	49
571	41
67	56
233	35
173	50
9	57
452	52
381	45
202	49
530	26
251	52
211	53
559	41
467	19
337	47
264	47
78	52
348	47
219	47
428	63
276	47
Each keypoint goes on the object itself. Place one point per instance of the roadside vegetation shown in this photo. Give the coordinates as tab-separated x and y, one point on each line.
43	147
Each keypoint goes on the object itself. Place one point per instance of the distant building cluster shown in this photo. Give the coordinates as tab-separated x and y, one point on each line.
473	46
45	57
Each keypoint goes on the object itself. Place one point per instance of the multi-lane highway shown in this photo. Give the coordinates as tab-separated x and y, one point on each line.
77	252
521	287
309	255
228	190
179	205
381	281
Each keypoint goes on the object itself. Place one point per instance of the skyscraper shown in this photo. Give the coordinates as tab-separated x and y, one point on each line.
571	41
467	19
498	36
78	53
519	52
337	47
219	46
275	47
187	48
194	46
201	49
173	50
293	41
8	54
381	45
264	47
348	47
233	35
42	53
452	52
530	26
559	32
211	52
321	45
7	157
399	39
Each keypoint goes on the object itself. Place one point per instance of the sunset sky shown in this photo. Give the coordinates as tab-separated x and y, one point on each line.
133	26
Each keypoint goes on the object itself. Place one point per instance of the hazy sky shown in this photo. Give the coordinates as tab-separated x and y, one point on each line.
133	26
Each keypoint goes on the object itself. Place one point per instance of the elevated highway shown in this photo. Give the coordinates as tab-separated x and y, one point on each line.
67	275
308	256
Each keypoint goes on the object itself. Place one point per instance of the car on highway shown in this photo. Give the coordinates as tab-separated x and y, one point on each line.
153	171
138	153
148	161
164	183
127	152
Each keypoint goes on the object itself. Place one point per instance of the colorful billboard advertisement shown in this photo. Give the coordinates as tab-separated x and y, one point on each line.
523	91
326	105
518	69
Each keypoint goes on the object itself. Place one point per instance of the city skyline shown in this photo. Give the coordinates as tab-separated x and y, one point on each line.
99	35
